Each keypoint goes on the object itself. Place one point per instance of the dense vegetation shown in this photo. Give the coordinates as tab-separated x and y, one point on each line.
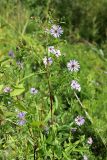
39	108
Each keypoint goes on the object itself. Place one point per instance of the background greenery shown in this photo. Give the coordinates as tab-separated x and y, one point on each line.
22	23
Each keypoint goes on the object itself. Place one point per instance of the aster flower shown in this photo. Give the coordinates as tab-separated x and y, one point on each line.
51	49
90	140
33	90
56	31
85	157
47	60
79	120
21	122
7	90
11	54
73	65
57	53
21	115
75	85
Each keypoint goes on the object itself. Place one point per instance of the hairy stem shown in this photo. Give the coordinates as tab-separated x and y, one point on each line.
50	94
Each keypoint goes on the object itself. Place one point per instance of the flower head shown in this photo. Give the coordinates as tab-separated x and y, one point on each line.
21	122
33	90
56	31
51	49
21	115
7	90
57	53
75	85
90	140
79	120
11	54
73	65
47	61
85	157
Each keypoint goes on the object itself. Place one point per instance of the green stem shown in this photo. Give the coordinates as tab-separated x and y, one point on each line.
83	107
50	94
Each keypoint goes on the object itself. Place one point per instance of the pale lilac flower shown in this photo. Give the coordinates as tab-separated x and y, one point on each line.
56	31
79	120
90	140
73	65
51	49
75	85
21	115
85	157
57	53
21	122
33	90
7	90
11	54
47	60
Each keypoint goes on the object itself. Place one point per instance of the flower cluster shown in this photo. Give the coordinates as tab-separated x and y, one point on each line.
56	52
56	31
74	66
21	116
47	61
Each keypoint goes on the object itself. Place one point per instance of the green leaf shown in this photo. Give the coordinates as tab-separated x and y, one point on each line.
19	89
1	87
17	92
20	106
37	123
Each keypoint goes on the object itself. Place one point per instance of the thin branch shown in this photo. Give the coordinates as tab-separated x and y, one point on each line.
83	107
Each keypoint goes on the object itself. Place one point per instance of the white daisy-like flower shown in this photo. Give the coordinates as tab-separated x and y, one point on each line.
56	31
47	61
90	140
57	53
51	49
79	120
73	65
33	90
75	85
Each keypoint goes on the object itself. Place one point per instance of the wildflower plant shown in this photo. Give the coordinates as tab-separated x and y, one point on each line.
51	118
